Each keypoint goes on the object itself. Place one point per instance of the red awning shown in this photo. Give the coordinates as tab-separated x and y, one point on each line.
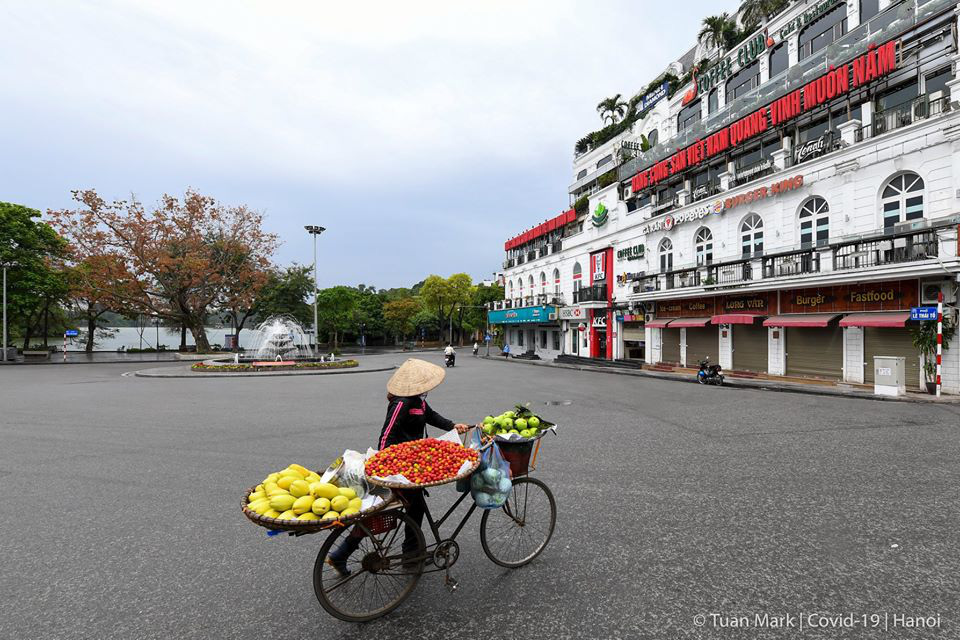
689	323
883	319
801	320
659	323
735	318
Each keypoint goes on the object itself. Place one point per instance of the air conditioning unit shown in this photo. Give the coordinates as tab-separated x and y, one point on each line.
930	291
551	316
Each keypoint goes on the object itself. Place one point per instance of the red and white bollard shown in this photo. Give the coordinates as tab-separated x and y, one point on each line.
939	338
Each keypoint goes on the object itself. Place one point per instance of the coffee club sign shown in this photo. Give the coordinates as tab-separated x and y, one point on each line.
876	63
631	253
745	55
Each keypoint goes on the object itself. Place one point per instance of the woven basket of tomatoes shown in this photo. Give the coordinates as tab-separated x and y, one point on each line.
421	463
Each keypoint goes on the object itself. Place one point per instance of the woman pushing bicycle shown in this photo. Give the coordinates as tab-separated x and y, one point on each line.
407	416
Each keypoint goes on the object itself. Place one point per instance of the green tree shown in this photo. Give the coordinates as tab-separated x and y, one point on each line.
612	108
438	297
37	284
718	31
756	12
461	286
399	315
369	311
335	311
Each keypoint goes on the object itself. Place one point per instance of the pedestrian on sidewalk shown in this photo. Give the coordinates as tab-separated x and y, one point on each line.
506	350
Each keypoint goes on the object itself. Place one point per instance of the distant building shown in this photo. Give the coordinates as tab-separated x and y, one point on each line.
779	207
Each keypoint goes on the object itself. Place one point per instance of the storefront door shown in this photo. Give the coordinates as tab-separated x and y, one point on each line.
882	341
670	345
750	347
815	352
634	340
702	343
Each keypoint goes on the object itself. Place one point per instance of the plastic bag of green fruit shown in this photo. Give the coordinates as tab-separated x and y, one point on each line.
518	423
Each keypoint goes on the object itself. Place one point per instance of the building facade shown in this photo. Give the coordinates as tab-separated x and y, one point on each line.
781	207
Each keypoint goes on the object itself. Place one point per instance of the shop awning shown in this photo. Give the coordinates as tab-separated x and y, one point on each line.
735	318
883	319
689	323
659	323
801	320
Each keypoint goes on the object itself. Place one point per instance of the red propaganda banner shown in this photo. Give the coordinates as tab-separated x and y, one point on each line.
876	63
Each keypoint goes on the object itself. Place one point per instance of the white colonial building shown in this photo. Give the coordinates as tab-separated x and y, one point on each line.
782	207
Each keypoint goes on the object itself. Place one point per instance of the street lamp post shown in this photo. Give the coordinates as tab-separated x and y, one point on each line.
4	346
315	231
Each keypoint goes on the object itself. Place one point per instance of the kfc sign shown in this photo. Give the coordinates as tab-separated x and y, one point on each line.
598	260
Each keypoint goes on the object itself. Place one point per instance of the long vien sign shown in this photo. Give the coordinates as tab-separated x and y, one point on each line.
875	63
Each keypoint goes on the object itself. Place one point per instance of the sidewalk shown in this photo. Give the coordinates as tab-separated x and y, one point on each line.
812	387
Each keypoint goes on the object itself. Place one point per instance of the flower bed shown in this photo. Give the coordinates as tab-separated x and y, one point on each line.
245	367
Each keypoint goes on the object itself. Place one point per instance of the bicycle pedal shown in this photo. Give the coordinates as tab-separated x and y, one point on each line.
451	584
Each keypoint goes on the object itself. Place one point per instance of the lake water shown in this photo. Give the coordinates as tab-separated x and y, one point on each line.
129	337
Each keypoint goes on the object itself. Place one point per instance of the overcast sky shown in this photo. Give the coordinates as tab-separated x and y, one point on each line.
421	134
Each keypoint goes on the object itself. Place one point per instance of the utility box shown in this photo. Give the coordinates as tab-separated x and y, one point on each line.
889	377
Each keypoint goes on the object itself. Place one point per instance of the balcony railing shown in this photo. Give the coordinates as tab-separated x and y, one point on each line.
682	278
520	259
729	272
892	249
531	256
790	264
648	284
556	247
593	293
509	263
907	113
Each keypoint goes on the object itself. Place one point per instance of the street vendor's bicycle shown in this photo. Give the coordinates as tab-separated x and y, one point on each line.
381	576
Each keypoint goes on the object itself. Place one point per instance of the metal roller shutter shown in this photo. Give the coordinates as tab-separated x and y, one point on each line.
878	341
750	347
633	332
702	343
670	350
815	353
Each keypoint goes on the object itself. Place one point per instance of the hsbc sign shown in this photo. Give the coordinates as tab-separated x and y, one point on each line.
571	313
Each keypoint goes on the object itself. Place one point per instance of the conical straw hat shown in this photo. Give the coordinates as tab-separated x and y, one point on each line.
415	377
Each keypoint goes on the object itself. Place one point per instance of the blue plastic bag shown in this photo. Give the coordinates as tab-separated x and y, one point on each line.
490	484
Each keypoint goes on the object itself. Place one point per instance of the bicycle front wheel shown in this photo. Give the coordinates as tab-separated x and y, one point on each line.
376	576
518	532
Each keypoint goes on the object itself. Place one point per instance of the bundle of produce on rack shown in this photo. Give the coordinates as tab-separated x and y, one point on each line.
518	432
300	500
420	463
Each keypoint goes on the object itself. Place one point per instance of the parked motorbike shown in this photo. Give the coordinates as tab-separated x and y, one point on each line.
709	373
450	359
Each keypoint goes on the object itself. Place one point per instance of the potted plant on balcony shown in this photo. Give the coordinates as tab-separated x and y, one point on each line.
924	337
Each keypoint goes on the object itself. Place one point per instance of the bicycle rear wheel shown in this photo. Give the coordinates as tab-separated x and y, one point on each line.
518	532
380	576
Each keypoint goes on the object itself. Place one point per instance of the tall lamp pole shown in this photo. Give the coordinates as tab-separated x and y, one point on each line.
315	231
4	345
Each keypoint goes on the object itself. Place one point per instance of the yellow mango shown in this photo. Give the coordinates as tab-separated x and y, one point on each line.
330	515
348	493
325	490
299	488
287	515
302	504
309	515
303	471
256	495
271	513
282	503
320	506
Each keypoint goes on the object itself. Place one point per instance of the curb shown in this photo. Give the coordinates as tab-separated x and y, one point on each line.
146	373
739	383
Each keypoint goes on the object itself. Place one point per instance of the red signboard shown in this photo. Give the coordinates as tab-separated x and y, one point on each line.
877	296
875	63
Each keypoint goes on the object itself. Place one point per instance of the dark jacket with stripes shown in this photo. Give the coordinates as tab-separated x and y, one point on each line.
407	419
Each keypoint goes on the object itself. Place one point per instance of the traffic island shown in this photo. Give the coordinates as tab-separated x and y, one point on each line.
247	367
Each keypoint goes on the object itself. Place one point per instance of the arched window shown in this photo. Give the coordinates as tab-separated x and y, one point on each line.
814	222
520	286
666	255
530	282
751	236
902	199
556	281
703	244
577	277
510	289
543	282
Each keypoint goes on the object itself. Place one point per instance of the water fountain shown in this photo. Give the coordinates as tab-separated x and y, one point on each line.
281	339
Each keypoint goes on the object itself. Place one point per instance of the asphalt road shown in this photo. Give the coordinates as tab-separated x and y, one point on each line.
120	508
